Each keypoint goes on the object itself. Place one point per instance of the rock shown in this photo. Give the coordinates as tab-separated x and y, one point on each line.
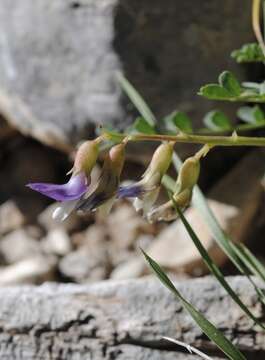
57	242
11	217
124	320
58	75
18	245
34	231
130	269
85	265
125	225
33	270
236	199
173	248
95	235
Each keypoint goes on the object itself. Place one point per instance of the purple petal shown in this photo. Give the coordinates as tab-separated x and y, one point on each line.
130	191
72	190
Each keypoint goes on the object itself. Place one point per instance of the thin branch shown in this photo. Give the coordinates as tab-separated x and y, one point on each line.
233	140
256	24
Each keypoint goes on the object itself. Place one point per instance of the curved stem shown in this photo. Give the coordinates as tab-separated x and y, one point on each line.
256	24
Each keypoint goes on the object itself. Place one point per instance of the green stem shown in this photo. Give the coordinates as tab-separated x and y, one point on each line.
233	140
263	17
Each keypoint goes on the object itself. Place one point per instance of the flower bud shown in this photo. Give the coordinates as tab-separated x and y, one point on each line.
104	192
117	157
160	161
189	174
86	156
187	178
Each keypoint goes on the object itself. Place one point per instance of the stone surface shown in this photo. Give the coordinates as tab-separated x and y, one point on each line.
236	199
57	242
18	245
10	217
87	264
125	225
123	320
33	270
174	249
130	269
59	60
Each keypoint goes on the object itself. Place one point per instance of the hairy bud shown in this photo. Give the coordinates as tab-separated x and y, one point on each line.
86	156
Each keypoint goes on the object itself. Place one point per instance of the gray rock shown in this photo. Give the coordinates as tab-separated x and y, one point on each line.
130	269
85	264
123	320
11	217
57	242
19	245
59	60
33	270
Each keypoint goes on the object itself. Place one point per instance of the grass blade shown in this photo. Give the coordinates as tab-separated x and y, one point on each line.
214	268
223	241
251	262
137	100
220	237
206	326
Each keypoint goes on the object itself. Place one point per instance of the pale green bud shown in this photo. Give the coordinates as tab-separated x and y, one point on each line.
117	157
159	164
183	198
189	174
86	156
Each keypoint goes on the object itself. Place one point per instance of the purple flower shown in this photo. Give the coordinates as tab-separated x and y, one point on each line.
105	190
130	191
69	194
72	190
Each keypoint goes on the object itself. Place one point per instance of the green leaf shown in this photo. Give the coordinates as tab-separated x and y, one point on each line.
217	120
251	115
230	89
245	113
206	326
248	53
214	92
137	100
142	126
178	120
229	82
214	268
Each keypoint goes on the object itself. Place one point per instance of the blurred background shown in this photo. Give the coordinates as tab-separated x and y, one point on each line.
58	81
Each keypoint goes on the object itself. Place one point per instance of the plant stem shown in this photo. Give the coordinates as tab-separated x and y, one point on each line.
263	17
256	24
233	140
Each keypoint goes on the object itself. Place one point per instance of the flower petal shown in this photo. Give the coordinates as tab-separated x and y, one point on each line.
64	209
130	191
146	202
73	189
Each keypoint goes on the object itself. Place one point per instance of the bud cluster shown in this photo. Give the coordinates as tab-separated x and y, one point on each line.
79	193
